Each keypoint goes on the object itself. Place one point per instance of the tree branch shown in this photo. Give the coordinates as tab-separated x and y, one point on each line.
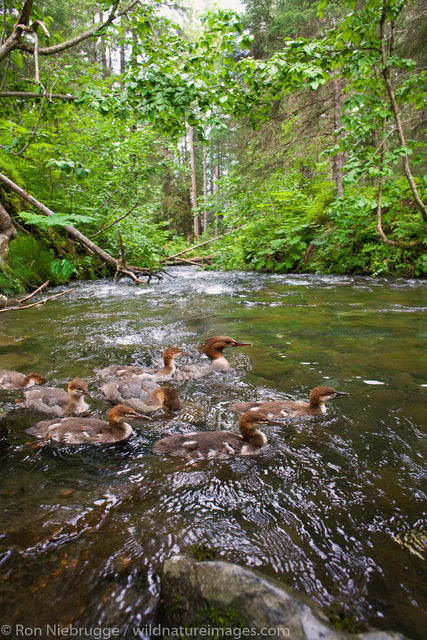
387	241
35	304
389	87
33	94
196	246
116	221
19	153
62	46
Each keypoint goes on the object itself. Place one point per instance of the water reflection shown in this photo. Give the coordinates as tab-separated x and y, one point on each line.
85	530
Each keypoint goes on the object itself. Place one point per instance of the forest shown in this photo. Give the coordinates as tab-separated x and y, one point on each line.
285	138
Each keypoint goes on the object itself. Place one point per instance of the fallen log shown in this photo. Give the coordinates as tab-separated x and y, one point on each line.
88	244
196	246
197	261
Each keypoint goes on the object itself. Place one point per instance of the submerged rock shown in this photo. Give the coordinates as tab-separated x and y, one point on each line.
221	595
17	360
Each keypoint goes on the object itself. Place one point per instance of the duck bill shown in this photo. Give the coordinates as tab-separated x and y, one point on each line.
275	423
242	344
140	416
342	393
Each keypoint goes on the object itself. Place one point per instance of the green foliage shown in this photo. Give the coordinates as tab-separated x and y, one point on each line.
57	220
288	227
122	143
30	263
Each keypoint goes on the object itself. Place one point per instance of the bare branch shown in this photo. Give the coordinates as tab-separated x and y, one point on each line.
32	94
18	153
196	246
35	304
34	292
116	221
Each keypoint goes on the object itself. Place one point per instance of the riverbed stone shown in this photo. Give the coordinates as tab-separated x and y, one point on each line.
224	595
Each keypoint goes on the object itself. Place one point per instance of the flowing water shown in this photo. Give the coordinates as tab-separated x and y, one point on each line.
85	530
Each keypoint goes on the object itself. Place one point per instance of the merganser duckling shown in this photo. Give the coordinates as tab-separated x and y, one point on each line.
142	395
292	409
213	348
89	430
15	380
221	445
166	372
57	401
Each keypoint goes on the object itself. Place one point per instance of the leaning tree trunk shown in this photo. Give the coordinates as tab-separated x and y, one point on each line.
7	232
91	246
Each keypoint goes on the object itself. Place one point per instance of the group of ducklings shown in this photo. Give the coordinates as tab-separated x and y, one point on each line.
135	392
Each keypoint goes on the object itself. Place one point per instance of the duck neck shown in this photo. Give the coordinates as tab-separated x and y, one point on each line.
121	429
168	369
316	405
218	361
27	382
253	437
76	405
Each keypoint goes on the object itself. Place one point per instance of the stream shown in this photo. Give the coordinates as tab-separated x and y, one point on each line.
85	530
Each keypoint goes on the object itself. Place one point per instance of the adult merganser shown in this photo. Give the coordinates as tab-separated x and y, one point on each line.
166	372
292	409
15	380
213	348
142	395
89	430
218	444
57	401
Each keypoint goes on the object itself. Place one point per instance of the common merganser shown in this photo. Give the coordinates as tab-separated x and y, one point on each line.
218	444
15	380
213	348
57	401
289	408
166	372
89	430
142	395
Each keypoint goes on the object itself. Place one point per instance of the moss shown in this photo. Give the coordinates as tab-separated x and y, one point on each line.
202	552
343	619
10	200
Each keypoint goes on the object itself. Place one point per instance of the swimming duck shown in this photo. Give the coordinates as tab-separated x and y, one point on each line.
15	380
57	401
166	372
292	409
142	395
213	348
89	430
221	445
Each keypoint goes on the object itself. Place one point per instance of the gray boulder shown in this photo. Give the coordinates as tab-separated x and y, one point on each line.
240	603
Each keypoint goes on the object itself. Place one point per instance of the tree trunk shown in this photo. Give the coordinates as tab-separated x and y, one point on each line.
7	232
122	59
193	183
205	191
338	159
215	187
